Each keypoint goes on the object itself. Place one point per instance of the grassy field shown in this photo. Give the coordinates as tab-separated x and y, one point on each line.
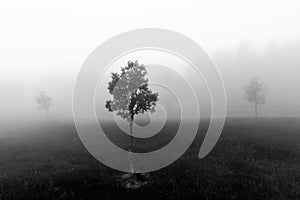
254	159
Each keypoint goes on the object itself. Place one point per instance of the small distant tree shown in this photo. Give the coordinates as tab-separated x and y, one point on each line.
44	102
130	96
255	93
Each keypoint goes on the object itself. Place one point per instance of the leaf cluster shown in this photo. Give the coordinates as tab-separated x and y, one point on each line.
130	91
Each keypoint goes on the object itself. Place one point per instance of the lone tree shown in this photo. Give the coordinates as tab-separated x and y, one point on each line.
130	96
255	93
44	102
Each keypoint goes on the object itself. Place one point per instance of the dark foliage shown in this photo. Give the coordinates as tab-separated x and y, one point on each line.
130	92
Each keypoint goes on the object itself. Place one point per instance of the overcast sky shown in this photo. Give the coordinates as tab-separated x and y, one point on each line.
43	44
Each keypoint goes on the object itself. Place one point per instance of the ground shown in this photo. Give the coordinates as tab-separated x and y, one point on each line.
254	159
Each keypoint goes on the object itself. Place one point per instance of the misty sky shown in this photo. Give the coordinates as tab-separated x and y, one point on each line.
43	45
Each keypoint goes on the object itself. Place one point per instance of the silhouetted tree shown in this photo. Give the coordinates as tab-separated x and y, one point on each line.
44	102
255	93
130	96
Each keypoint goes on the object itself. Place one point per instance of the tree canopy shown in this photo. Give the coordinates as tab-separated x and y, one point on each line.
130	92
44	102
255	92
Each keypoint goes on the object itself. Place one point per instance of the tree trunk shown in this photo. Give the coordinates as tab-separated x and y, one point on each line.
47	114
255	104
130	147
